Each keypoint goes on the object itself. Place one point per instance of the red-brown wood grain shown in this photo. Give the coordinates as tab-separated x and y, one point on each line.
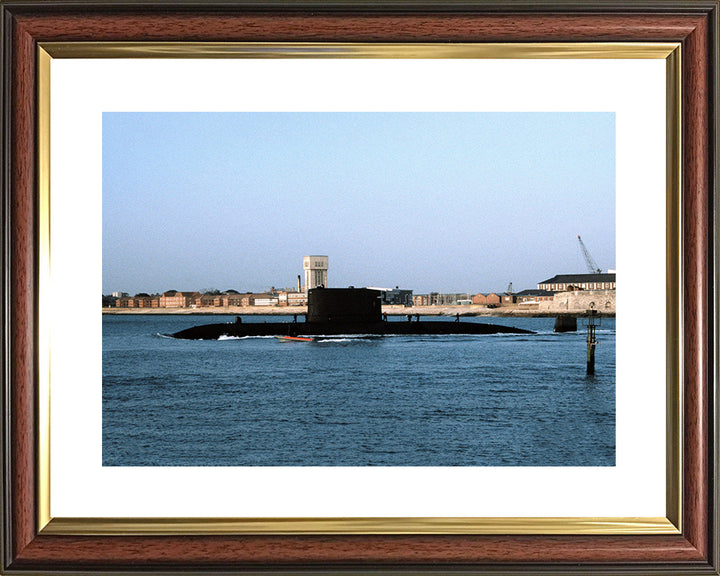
689	550
361	28
418	550
696	198
22	255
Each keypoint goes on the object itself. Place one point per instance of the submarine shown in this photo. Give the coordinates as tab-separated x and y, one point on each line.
336	311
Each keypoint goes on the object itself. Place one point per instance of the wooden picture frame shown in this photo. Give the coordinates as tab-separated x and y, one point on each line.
29	548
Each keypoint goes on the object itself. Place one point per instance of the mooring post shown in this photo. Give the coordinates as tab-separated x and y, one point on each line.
565	324
591	340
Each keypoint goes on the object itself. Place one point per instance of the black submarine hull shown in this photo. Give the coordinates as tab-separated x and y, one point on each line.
335	311
381	328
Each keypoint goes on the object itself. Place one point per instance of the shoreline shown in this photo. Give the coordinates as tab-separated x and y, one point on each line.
393	310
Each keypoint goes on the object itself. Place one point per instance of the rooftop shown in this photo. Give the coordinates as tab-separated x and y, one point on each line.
579	278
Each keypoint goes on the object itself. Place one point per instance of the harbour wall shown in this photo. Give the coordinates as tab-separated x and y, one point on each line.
580	301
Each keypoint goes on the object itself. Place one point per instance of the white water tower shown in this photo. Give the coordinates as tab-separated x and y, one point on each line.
316	269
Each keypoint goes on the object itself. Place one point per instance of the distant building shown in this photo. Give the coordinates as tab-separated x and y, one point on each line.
421	300
316	271
479	299
175	299
297	299
492	298
141	300
533	296
264	300
292	298
398	296
394	296
209	299
233	298
485	299
438	299
566	282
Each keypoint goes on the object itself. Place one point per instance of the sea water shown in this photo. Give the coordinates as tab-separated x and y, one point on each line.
457	400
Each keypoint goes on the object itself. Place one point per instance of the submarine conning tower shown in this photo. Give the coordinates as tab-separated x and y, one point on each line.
344	305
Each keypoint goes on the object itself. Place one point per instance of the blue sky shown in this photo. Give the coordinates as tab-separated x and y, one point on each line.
448	202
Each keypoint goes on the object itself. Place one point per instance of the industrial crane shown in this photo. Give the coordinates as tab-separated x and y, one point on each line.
592	266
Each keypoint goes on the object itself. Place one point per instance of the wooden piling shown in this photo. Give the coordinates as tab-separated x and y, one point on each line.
565	324
591	341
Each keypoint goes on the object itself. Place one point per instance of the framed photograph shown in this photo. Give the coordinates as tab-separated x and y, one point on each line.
358	263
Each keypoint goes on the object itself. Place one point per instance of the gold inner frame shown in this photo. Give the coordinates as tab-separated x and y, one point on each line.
671	524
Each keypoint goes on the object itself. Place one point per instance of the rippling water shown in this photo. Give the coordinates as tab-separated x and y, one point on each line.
490	400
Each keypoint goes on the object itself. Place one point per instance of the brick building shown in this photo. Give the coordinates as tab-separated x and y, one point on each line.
485	299
566	282
286	298
533	296
141	300
175	299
